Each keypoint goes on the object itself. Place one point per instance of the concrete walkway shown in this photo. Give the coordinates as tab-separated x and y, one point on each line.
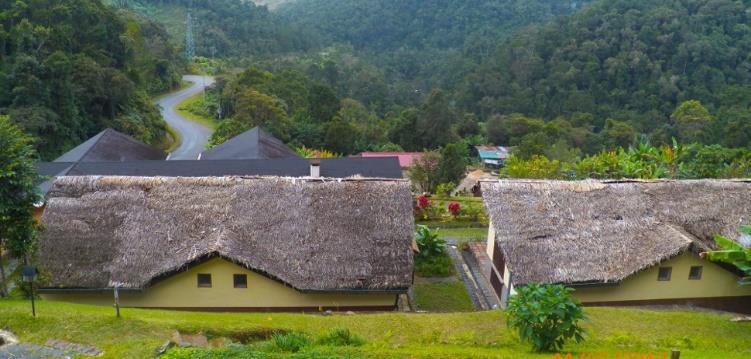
470	272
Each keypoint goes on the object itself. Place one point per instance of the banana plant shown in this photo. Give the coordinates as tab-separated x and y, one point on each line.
736	253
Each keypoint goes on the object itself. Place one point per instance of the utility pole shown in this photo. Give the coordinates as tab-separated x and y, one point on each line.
190	46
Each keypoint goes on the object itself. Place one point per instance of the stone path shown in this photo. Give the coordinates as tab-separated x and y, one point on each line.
471	273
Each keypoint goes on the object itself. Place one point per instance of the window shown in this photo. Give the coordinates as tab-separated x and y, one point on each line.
664	274
240	280
695	273
204	280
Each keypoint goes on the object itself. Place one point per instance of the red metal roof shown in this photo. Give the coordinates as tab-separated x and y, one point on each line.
405	158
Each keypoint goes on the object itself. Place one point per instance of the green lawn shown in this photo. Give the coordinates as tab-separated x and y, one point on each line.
448	296
468	233
183	109
389	335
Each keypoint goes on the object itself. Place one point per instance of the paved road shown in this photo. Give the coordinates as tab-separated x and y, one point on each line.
193	137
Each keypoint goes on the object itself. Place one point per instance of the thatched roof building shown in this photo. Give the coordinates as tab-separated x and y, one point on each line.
605	231
315	235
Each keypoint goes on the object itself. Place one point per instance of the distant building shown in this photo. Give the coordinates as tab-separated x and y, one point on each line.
254	144
618	243
492	156
406	159
229	244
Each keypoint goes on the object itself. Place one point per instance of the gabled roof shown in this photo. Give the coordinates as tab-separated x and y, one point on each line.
492	152
253	144
311	234
289	167
605	231
406	159
110	145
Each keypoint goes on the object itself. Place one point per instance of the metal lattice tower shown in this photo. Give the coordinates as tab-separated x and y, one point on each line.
190	45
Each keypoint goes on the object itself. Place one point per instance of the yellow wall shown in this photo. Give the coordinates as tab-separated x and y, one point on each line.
181	290
714	282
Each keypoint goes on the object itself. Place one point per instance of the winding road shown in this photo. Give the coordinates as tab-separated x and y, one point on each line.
193	137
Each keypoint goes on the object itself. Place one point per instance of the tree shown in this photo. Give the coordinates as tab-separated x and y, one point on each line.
692	121
257	109
453	163
545	316
424	171
323	102
340	136
435	121
18	178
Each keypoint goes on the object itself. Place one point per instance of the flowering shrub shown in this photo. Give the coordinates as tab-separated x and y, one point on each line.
455	208
423	202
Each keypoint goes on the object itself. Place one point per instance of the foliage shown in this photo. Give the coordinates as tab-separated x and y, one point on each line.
63	82
439	265
738	255
642	161
340	337
225	28
313	153
453	163
538	167
18	177
693	121
445	189
545	316
424	171
291	342
429	243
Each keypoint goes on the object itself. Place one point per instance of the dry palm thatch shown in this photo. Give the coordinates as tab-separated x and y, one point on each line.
311	234
605	231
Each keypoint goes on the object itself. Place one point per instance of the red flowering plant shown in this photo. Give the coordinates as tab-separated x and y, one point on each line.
455	209
423	201
423	207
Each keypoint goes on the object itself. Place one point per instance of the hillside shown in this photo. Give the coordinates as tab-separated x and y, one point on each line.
393	24
629	60
63	82
224	28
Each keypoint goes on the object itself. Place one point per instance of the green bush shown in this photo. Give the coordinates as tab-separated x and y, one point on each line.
340	337
436	266
545	316
429	243
290	342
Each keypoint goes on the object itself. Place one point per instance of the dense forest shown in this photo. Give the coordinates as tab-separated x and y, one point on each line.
63	82
556	78
224	28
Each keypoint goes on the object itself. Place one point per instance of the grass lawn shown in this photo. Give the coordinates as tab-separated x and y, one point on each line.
182	109
468	233
388	335
442	296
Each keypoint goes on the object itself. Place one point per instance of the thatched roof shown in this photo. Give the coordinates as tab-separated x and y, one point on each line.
605	231
311	234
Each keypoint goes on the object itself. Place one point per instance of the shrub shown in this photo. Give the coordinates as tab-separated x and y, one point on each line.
340	337
455	209
545	316
444	189
429	243
290	342
423	201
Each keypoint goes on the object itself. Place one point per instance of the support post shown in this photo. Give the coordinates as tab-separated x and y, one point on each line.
675	354
117	301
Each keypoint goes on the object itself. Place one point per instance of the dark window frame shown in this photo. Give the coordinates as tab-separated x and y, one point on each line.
203	284
661	278
244	280
691	275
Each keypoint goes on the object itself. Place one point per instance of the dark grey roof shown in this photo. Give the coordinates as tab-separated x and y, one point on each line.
254	144
110	145
193	168
387	167
380	167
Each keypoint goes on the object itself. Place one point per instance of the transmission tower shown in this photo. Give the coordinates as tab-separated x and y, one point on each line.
190	45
